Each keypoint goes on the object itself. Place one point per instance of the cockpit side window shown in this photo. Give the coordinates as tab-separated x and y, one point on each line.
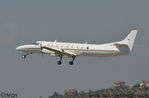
35	43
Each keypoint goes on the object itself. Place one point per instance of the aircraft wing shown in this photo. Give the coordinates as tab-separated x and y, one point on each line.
60	51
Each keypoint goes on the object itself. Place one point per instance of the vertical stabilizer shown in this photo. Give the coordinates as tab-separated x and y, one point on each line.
130	39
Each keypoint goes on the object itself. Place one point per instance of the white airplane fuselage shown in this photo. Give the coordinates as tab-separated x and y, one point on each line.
81	49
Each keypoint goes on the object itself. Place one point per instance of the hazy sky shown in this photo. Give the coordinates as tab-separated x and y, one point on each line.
95	21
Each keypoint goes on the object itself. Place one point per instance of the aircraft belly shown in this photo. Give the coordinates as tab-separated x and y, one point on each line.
99	53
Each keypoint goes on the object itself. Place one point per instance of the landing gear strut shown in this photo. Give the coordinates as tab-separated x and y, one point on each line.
24	55
71	62
60	61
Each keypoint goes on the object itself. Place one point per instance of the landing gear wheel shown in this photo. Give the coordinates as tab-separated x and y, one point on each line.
23	56
59	62
71	63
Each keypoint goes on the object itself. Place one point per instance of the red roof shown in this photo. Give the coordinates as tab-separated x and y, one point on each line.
119	82
145	82
70	90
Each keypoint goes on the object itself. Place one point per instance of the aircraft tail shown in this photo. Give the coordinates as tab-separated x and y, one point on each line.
129	40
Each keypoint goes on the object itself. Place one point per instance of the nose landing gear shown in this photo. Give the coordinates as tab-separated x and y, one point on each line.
24	56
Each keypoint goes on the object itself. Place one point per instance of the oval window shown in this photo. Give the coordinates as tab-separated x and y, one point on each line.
87	47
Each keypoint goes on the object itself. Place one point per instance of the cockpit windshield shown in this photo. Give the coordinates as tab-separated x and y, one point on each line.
35	43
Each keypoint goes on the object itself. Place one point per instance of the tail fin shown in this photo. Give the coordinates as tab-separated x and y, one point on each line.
129	40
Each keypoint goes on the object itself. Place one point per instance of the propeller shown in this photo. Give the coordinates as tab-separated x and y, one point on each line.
41	48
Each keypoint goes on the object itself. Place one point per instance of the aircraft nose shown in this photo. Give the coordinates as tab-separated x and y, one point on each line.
20	48
27	47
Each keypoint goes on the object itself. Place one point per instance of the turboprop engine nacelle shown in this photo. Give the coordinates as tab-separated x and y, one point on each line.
46	51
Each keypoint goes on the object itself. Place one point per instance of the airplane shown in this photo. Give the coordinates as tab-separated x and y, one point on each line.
71	50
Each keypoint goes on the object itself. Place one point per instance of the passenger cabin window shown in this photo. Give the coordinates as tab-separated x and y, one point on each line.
87	47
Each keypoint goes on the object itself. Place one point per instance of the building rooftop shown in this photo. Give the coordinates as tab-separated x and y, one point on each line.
119	82
70	90
145	82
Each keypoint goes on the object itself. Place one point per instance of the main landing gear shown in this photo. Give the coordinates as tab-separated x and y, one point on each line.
60	61
70	62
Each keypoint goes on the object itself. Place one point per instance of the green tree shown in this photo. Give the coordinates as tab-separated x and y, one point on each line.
56	95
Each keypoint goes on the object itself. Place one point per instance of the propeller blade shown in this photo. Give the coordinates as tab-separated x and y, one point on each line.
41	48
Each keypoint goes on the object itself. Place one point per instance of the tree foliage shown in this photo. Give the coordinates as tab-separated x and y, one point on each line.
125	92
